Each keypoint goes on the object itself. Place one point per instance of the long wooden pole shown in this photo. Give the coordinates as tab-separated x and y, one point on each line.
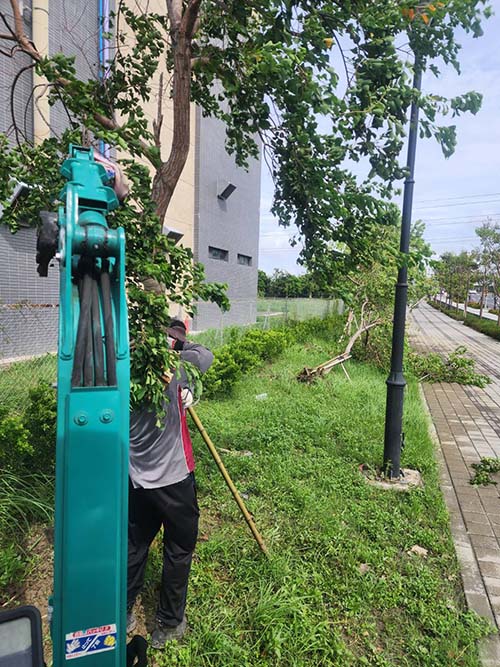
228	480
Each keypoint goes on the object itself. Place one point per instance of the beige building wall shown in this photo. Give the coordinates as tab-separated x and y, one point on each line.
180	214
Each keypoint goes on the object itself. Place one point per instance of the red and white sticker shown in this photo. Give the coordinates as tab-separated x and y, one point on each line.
82	643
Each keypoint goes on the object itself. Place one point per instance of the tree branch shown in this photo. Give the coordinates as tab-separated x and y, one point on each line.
30	49
167	176
190	18
174	8
159	115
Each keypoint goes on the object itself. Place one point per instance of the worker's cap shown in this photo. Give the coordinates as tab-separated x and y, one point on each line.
177	329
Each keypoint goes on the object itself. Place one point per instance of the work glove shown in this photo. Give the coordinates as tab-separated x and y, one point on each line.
187	398
174	343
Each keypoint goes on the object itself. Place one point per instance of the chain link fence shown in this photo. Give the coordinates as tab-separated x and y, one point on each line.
296	309
29	314
28	346
265	312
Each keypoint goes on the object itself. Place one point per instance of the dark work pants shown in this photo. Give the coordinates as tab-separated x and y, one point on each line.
176	508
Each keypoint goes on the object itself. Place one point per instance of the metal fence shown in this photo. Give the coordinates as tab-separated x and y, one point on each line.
263	312
28	345
296	309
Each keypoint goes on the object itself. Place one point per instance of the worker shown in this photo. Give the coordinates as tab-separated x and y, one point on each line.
162	492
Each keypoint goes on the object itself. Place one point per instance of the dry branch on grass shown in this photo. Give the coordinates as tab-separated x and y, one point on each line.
311	374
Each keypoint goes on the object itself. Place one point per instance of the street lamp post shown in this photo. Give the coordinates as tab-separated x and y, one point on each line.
396	381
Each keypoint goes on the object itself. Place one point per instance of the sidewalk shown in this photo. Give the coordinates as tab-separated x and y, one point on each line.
467	424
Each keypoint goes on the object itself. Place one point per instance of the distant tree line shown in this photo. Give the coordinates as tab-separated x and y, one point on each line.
283	284
478	271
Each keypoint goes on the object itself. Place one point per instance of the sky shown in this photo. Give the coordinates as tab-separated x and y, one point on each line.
452	196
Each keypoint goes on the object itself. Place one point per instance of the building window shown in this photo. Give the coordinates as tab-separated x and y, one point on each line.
218	253
245	260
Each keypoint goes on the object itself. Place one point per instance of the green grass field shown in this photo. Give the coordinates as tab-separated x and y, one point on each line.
340	587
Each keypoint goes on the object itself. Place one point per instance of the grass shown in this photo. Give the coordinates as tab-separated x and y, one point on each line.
24	499
339	587
18	378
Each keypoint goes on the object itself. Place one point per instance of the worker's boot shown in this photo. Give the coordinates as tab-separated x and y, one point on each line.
164	633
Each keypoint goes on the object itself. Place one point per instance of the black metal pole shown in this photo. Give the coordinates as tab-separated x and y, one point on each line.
396	381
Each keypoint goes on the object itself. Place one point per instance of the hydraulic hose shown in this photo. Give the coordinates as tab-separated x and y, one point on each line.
99	379
88	358
85	288
109	335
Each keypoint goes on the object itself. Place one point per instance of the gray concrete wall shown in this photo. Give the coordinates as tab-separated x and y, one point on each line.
231	225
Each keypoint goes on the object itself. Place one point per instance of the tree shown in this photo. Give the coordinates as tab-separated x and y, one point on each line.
456	273
263	282
272	71
489	235
368	289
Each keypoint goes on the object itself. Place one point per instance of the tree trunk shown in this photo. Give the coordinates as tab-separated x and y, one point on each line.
481	308
168	174
466	296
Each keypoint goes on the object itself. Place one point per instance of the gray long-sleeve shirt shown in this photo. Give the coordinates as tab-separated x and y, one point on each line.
160	456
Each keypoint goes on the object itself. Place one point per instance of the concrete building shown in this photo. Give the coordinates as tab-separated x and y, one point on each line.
226	225
215	207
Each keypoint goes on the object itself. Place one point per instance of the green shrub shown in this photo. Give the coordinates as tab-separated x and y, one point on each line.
234	359
15	447
222	374
374	346
265	345
474	304
40	420
488	327
328	328
494	311
28	440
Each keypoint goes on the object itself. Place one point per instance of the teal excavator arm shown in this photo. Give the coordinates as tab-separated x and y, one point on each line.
90	552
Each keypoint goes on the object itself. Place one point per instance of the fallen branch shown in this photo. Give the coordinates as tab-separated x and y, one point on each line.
311	374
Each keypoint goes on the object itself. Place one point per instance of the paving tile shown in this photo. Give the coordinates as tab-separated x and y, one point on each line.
469	504
489	651
483	541
493	585
475	528
489	569
475	517
467	423
487	554
479	603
